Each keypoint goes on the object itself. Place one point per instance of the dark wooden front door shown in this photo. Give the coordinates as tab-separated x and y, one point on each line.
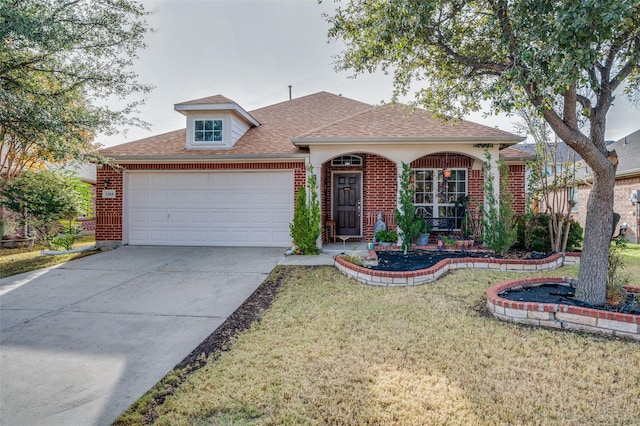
347	203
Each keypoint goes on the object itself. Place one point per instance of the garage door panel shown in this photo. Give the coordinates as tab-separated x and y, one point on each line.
210	208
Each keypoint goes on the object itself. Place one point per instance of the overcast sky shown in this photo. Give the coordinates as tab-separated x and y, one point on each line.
250	51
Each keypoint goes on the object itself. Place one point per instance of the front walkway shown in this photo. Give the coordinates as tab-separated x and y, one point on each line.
328	252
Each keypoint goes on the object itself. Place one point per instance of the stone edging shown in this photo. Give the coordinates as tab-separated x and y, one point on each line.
76	250
560	315
423	276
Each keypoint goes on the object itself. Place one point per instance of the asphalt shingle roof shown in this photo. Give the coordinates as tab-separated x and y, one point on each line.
316	116
397	121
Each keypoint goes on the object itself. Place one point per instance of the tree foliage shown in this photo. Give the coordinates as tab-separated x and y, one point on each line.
44	197
59	64
406	220
564	58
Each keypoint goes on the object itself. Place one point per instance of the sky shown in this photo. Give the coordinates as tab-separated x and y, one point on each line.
251	51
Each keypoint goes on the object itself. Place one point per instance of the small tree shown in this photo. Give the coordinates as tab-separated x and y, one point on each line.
43	198
407	222
305	227
500	232
551	177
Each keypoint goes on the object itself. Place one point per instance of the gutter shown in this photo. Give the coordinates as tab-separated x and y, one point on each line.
211	159
303	142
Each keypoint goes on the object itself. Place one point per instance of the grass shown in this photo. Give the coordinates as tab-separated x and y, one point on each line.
333	351
631	257
19	260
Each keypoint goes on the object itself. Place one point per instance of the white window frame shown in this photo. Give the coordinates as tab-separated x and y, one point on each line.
435	205
204	131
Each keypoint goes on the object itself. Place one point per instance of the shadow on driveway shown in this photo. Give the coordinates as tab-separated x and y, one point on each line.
81	342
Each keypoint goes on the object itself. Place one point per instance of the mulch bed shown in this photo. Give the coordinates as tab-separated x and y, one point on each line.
424	259
563	294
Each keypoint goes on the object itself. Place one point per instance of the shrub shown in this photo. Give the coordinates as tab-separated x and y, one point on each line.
499	224
406	220
305	228
43	198
615	280
387	236
535	228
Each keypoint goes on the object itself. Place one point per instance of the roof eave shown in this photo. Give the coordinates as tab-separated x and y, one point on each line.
206	158
231	106
304	142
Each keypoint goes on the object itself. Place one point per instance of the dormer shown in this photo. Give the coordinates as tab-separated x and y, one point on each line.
214	122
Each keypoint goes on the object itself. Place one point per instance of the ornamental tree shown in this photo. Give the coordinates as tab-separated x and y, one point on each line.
59	63
43	198
406	220
566	59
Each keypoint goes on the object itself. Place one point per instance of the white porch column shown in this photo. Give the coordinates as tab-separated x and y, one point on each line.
398	158
494	170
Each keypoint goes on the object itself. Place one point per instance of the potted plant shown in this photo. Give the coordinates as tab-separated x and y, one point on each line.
446	241
387	237
466	227
423	236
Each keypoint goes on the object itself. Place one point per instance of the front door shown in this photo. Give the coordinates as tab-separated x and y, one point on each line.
347	203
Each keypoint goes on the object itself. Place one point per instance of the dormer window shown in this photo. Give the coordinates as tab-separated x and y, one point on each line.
207	130
214	123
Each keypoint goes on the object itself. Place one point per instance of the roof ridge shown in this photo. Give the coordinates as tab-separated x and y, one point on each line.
303	97
196	101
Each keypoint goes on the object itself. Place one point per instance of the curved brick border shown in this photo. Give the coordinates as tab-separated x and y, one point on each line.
423	276
559	315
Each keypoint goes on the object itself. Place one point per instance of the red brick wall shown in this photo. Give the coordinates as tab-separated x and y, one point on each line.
517	187
475	190
109	211
621	205
380	188
437	161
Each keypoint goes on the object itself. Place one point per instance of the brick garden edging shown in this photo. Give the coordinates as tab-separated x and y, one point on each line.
559	315
423	276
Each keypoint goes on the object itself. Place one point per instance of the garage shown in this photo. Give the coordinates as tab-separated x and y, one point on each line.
243	208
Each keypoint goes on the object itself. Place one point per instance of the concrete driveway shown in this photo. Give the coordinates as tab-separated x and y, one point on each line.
79	343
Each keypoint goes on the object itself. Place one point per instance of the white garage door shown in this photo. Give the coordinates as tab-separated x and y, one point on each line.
209	208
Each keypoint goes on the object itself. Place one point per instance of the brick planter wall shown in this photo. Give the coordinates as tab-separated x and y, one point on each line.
423	276
558	315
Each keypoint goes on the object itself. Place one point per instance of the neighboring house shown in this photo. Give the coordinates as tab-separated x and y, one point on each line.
229	177
627	183
558	167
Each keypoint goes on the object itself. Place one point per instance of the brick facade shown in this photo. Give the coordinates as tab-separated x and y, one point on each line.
109	211
380	189
621	205
517	187
380	185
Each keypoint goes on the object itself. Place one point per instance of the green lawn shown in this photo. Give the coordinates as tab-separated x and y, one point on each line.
334	351
17	261
632	263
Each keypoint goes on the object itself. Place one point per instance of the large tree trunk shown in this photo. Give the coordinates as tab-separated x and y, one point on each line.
592	277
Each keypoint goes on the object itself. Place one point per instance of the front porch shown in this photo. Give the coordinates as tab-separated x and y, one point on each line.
355	186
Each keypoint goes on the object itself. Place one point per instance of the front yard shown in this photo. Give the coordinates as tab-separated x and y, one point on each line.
19	260
333	351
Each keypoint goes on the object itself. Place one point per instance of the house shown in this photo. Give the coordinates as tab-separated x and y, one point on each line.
557	170
627	185
229	177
